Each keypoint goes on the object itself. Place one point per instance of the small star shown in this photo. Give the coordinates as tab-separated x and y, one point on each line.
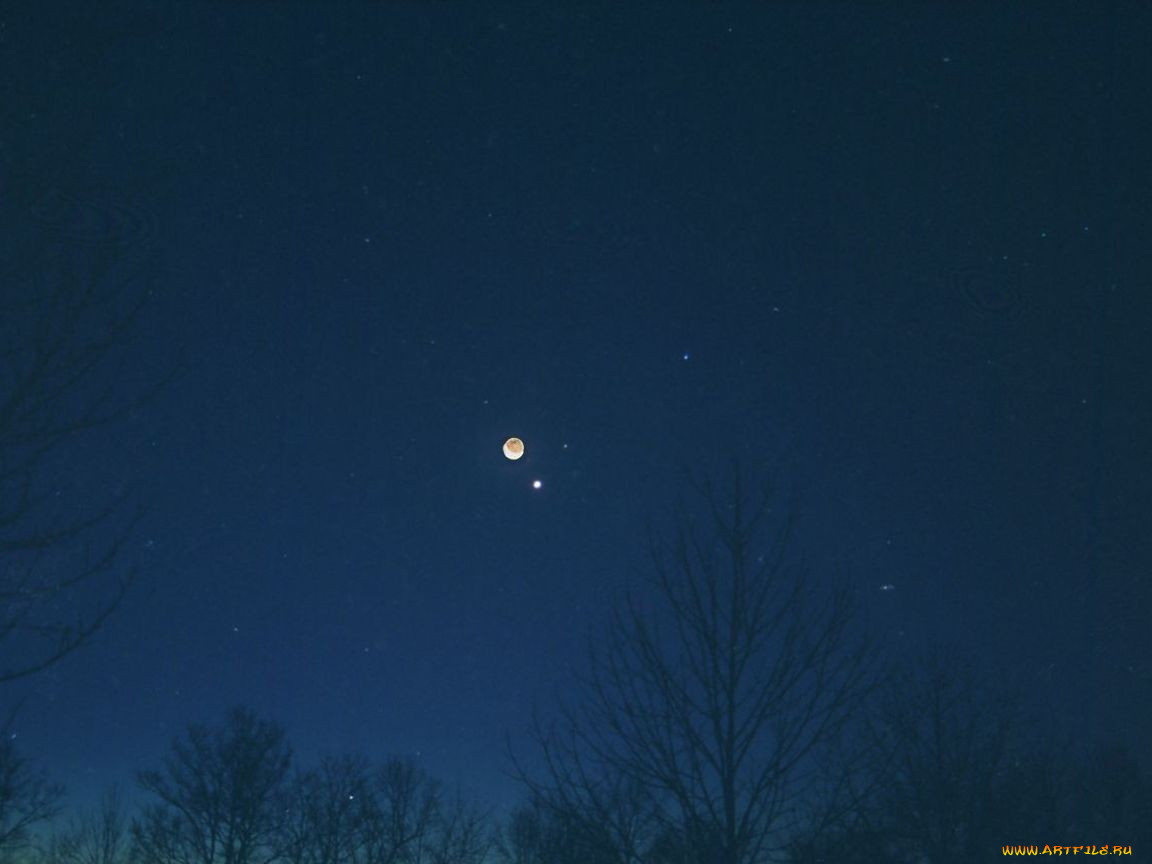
537	484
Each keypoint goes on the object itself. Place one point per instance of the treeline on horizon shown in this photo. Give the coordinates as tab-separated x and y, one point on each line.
958	778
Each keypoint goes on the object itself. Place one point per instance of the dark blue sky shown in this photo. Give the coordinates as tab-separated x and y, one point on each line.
896	253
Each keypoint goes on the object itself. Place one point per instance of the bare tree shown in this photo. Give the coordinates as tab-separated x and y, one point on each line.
944	770
940	750
97	837
73	298
27	798
345	812
462	834
1114	796
220	796
538	832
706	708
52	389
329	809
405	805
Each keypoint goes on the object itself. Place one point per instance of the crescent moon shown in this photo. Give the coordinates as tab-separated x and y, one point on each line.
513	448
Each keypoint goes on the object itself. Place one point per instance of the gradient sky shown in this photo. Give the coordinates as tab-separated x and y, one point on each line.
896	253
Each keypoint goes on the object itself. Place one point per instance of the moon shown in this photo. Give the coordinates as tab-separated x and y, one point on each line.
513	448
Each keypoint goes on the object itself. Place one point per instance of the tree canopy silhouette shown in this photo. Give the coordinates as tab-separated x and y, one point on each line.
217	796
713	692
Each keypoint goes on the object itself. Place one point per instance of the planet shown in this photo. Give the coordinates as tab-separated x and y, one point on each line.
513	448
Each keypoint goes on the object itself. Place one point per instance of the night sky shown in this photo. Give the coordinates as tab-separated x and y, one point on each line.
893	255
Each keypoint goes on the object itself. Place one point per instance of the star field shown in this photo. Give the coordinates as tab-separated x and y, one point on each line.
893	258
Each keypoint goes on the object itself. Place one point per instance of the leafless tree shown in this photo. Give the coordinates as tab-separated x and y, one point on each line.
946	741
97	837
1114	796
328	811
221	794
414	822
944	770
346	812
706	708
27	798
73	291
940	748
463	834
539	833
405	801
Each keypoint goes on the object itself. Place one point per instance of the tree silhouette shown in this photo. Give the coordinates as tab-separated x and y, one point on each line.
705	709
26	799
73	297
944	742
933	752
97	837
539	833
1114	796
51	556
327	813
944	770
462	835
220	795
344	812
405	802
